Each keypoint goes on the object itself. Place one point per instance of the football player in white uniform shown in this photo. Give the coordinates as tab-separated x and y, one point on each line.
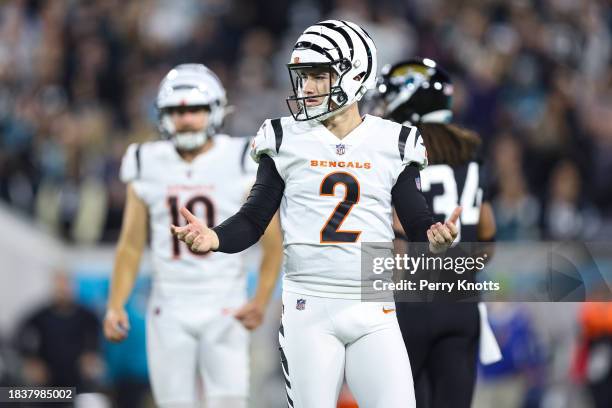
335	176
198	314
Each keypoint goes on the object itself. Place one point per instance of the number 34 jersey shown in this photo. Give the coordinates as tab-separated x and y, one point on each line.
213	187
337	195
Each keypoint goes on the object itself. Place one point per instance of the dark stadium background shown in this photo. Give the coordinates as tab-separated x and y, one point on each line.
77	85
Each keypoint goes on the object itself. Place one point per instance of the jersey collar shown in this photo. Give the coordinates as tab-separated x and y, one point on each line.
345	146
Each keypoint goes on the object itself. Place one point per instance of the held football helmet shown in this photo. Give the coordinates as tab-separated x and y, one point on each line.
190	85
417	90
347	53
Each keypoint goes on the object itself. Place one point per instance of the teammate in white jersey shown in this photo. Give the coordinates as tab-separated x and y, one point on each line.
198	314
335	176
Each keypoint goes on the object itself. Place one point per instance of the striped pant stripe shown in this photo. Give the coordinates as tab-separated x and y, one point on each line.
285	365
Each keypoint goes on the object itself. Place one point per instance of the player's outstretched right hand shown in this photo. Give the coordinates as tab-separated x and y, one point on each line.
196	234
116	325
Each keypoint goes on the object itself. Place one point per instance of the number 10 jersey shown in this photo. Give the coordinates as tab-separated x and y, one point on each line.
337	195
213	187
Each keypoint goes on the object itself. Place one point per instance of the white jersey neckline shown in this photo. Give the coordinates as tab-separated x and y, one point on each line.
350	141
208	155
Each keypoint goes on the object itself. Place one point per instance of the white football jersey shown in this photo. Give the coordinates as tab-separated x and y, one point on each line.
213	187
337	195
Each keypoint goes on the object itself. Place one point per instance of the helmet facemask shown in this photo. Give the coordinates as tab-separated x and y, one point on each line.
334	100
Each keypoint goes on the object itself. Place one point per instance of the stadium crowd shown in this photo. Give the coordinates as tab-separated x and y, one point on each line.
78	79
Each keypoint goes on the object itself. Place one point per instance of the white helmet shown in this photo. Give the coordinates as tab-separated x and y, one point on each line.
339	45
190	85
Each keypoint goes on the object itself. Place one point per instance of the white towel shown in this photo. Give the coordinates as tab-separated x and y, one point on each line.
489	349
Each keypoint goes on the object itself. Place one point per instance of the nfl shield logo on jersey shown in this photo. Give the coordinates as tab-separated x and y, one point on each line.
300	304
340	149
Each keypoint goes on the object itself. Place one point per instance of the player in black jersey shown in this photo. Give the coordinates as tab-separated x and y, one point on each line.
442	338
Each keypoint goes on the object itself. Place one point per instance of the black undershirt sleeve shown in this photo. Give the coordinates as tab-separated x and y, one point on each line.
244	228
411	206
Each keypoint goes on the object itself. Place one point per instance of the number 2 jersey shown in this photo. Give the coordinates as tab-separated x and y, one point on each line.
213	186
337	194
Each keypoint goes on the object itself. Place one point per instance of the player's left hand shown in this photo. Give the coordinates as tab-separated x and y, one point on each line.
441	236
251	314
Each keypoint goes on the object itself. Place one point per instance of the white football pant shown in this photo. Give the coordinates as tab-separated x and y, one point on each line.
195	346
324	339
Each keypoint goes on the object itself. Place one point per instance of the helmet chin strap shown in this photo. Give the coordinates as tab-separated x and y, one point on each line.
315	110
332	113
360	93
322	107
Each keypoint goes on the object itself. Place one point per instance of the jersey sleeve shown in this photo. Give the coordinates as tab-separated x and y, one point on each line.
248	167
130	164
411	206
265	141
412	148
131	170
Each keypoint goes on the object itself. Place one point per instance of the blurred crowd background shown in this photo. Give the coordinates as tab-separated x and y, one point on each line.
78	81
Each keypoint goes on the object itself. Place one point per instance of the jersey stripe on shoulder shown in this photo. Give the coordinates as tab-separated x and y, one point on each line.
409	135
401	143
137	154
244	154
278	132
